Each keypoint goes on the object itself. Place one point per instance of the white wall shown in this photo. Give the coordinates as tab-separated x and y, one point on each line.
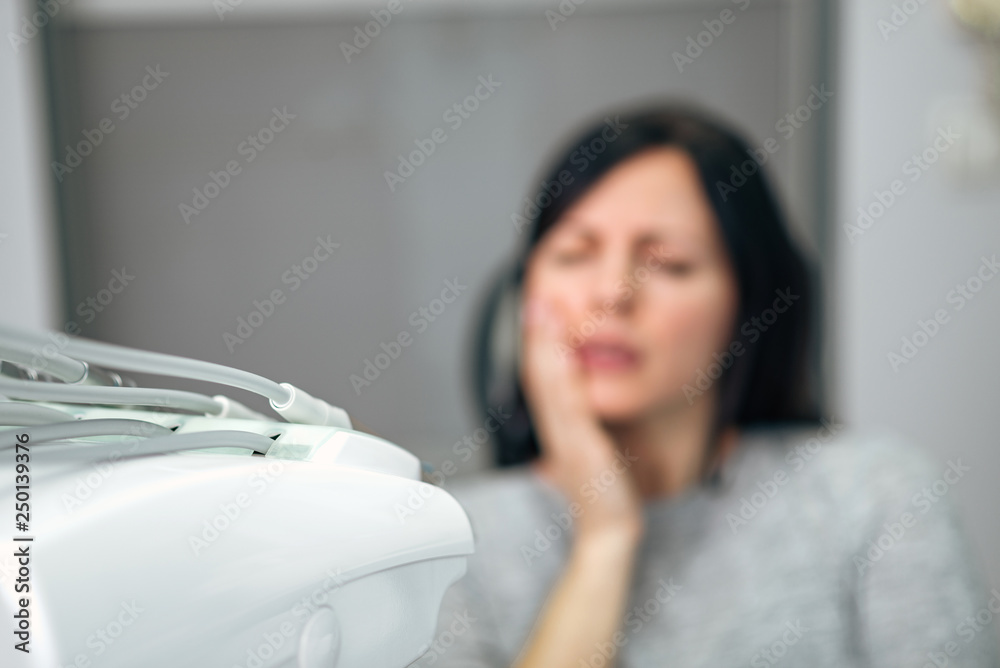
28	271
895	92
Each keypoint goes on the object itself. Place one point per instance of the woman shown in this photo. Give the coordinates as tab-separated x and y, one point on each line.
671	494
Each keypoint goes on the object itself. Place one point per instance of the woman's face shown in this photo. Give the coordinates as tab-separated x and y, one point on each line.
638	270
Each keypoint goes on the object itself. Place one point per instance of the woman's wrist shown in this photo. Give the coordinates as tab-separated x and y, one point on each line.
608	543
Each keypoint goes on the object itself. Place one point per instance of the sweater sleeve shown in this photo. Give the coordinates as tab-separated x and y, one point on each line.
920	596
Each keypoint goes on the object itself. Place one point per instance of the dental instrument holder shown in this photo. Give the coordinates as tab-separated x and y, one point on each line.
327	551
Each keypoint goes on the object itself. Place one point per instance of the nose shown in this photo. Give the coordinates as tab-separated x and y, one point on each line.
612	289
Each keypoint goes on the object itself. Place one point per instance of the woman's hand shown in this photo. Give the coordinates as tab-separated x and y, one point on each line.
585	608
578	455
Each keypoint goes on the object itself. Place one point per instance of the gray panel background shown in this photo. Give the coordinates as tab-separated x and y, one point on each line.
324	175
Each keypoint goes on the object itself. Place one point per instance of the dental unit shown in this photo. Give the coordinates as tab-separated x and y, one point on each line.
159	527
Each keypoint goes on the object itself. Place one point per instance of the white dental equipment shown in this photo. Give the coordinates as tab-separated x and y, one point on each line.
153	527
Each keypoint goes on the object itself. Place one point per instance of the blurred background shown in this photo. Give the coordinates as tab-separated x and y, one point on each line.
251	182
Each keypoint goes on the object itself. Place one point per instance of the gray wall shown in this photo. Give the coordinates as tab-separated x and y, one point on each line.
897	90
323	175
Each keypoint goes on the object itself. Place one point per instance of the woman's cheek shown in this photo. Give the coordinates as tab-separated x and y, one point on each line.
705	310
688	333
567	296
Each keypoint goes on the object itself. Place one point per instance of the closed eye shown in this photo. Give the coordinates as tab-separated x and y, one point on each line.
677	268
569	258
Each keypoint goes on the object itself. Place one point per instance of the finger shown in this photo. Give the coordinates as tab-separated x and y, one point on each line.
548	372
554	381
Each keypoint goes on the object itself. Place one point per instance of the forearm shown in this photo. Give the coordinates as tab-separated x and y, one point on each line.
585	608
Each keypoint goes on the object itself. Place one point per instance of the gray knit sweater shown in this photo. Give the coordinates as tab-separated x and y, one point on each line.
814	549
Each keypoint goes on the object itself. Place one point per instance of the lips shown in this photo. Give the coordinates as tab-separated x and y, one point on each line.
608	355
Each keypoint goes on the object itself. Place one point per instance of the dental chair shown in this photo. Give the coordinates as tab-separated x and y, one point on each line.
149	527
